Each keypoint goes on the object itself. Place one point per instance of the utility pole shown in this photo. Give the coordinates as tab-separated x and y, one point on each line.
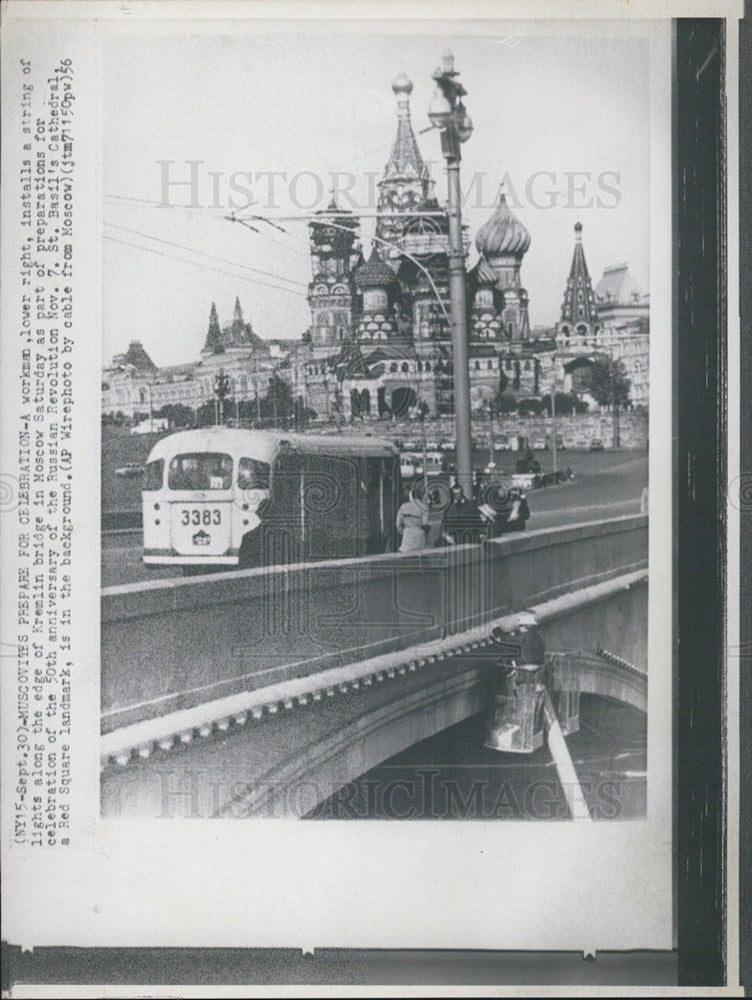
447	113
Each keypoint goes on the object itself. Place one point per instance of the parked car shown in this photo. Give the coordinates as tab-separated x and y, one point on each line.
596	444
407	465
525	480
432	445
412	445
130	470
540	444
501	443
448	445
553	478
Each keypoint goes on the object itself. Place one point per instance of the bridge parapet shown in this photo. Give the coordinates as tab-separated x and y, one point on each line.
168	645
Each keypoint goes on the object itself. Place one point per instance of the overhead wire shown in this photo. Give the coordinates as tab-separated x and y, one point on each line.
202	253
206	267
210	210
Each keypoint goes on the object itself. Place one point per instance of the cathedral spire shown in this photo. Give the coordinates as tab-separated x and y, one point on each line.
579	302
213	343
405	160
406	183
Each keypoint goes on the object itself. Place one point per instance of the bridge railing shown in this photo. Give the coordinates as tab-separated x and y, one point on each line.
172	644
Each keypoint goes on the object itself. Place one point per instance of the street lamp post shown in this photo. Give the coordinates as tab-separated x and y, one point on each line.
221	389
448	114
553	417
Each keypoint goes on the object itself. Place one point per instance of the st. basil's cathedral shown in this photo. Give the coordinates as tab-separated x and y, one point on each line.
380	338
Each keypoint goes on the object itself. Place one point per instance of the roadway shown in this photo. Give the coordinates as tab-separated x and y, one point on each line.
605	484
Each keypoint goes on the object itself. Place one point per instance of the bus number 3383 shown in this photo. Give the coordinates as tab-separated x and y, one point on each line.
205	516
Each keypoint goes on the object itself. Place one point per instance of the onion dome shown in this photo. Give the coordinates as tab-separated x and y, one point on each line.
375	273
402	85
502	233
484	273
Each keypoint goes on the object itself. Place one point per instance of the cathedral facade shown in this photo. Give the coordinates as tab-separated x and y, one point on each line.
380	339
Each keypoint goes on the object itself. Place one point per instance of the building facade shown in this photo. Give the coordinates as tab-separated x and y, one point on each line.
132	384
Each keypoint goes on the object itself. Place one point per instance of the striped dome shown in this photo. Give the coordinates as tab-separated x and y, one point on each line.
502	233
374	273
485	273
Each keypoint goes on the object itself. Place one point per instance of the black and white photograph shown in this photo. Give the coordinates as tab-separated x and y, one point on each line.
368	477
375	426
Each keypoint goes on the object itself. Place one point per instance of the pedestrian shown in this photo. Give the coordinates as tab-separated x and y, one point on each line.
413	523
463	522
477	485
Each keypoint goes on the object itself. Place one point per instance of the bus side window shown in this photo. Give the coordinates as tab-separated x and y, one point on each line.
253	475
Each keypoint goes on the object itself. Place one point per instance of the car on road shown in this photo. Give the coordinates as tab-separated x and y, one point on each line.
407	465
132	469
503	503
412	445
596	444
434	464
447	445
540	444
501	443
525	480
432	445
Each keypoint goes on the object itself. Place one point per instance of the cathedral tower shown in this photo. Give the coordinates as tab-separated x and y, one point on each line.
213	343
406	183
579	317
335	253
377	283
504	241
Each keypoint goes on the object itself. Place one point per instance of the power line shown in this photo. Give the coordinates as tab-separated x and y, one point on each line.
152	203
201	253
207	209
206	267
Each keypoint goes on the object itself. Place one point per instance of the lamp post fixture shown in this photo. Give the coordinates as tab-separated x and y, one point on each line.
448	114
553	416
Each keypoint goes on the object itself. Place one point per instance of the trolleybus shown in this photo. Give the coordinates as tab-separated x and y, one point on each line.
224	497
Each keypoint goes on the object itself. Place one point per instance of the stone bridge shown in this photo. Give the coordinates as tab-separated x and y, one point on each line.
265	691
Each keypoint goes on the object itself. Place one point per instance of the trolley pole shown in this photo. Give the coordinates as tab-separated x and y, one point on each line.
447	113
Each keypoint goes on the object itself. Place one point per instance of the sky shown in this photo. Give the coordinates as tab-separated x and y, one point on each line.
546	109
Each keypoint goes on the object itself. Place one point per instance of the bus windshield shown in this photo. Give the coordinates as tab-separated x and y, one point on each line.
200	471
